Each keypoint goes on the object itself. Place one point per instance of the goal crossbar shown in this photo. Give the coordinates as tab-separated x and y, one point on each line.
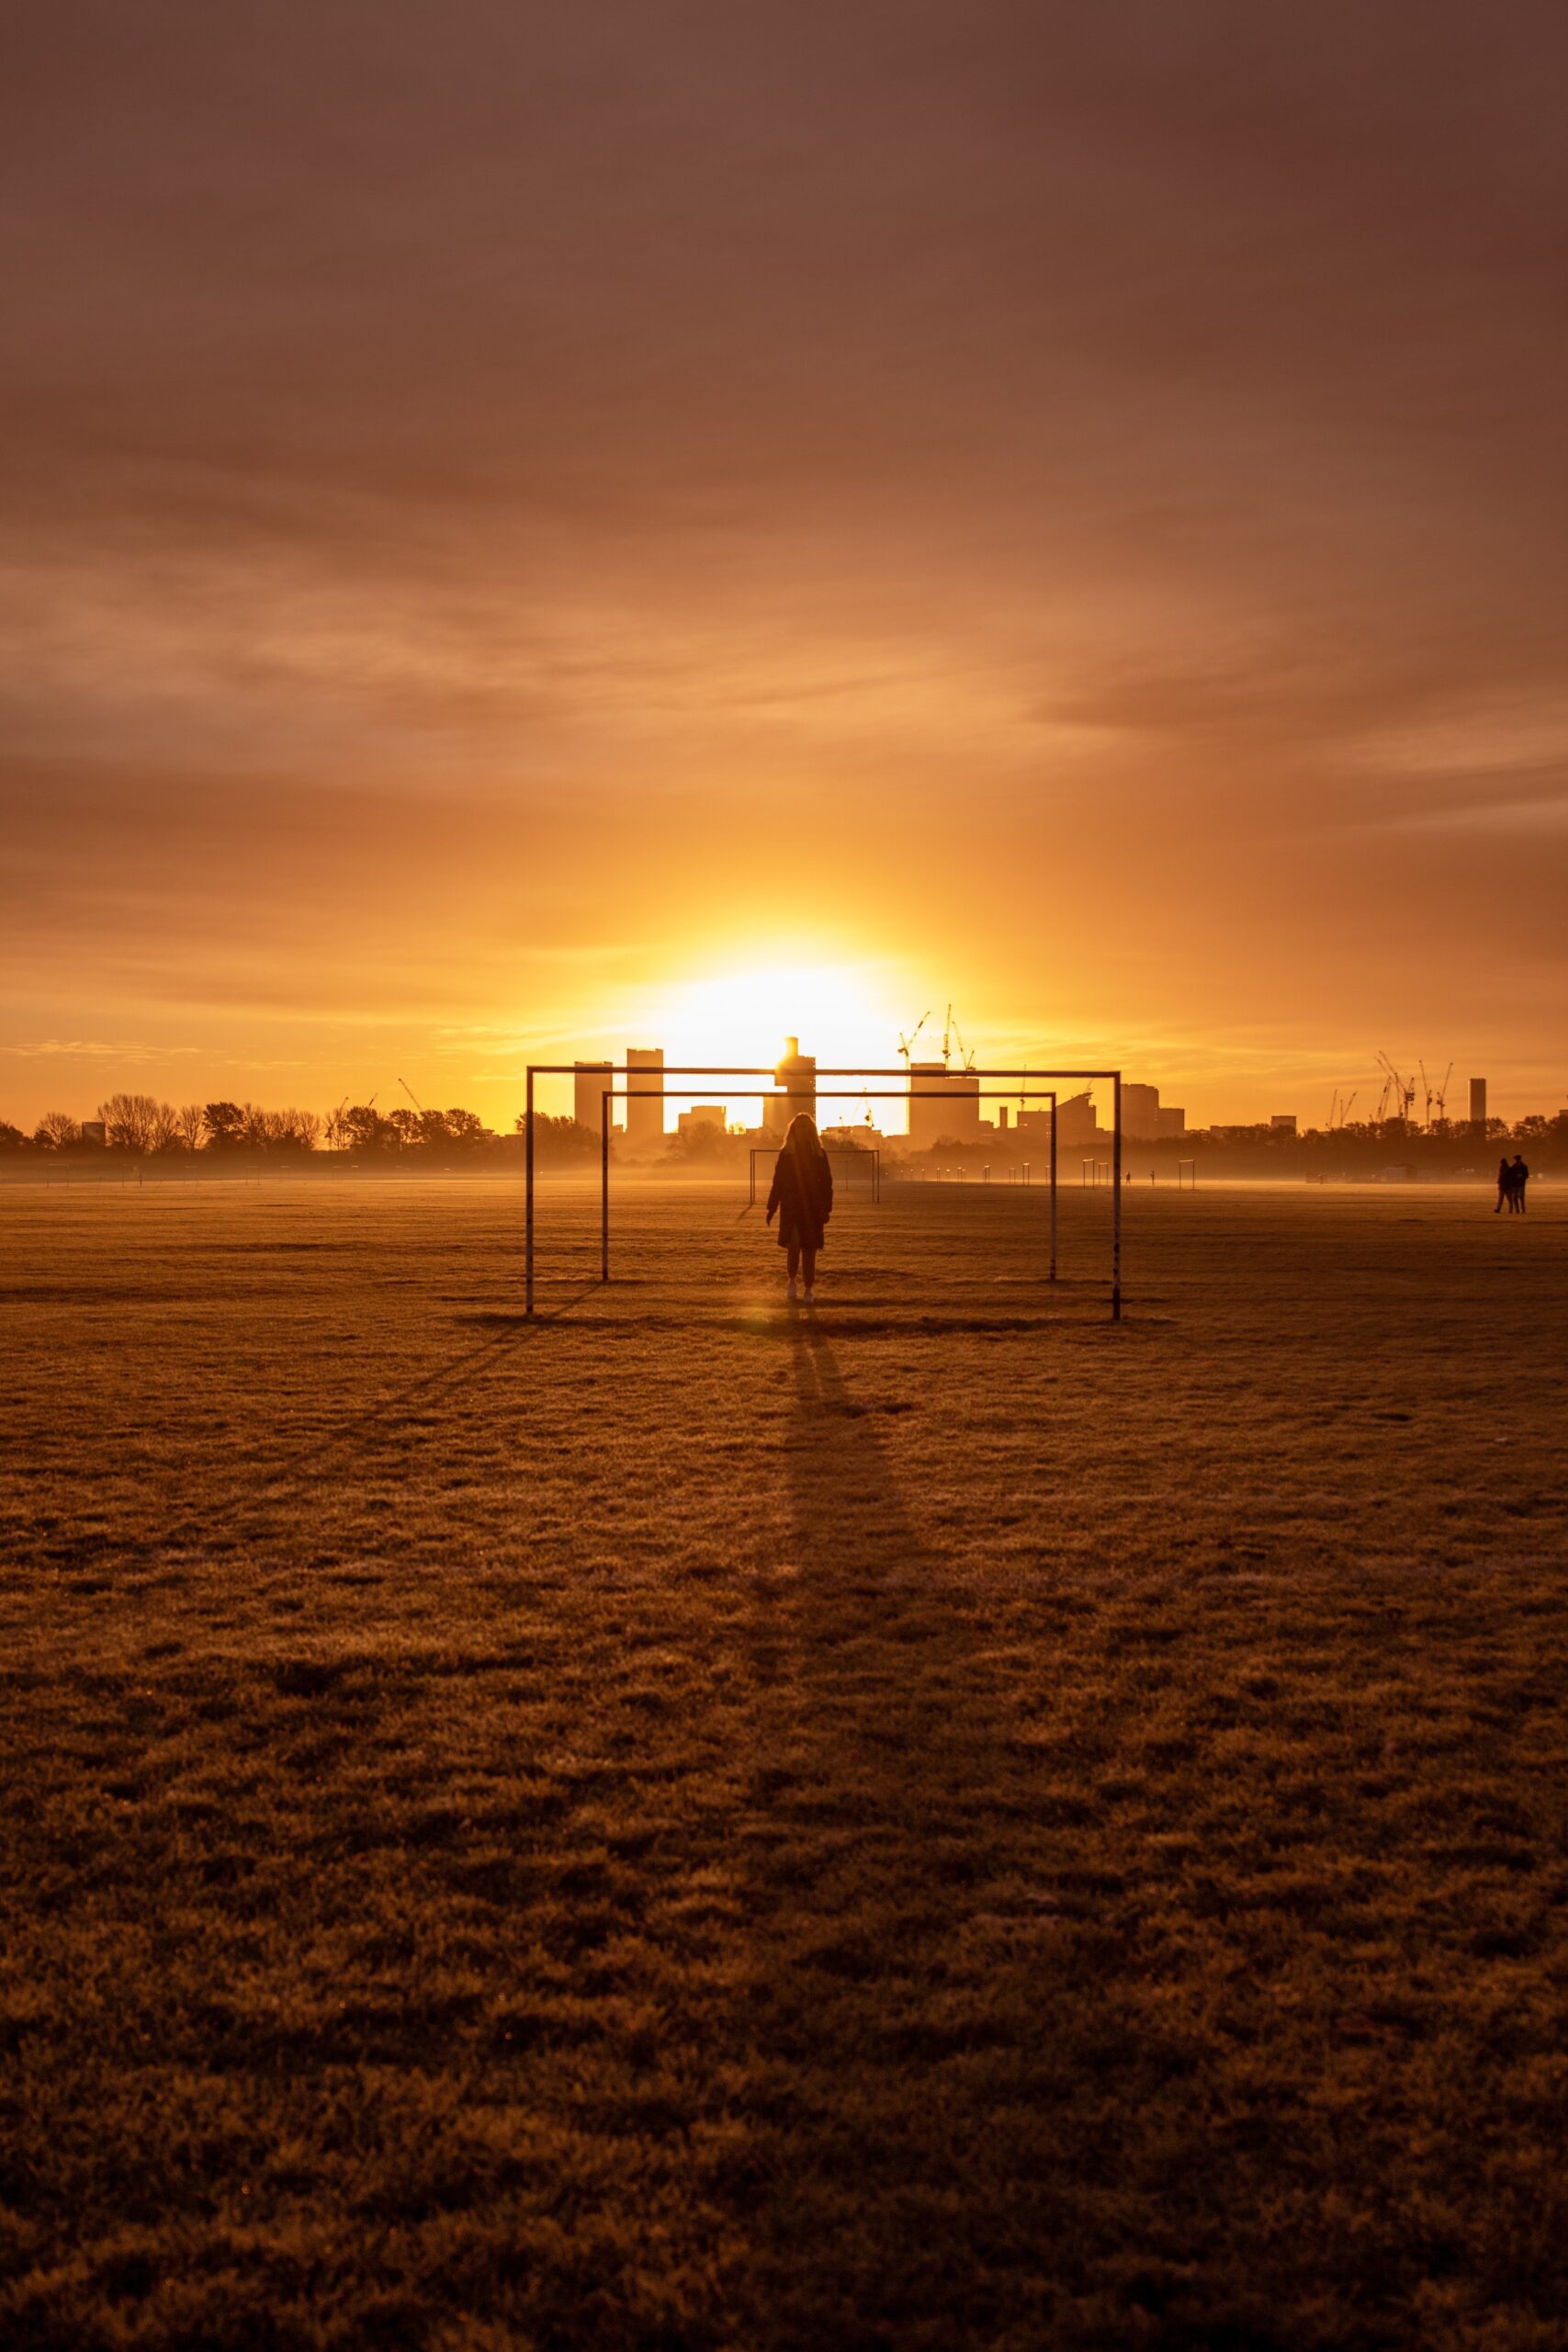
641	1090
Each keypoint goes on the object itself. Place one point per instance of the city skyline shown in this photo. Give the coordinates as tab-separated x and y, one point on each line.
732	1018
647	1105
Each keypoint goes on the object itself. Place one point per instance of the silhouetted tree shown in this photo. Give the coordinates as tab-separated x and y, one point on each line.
559	1139
11	1139
131	1122
57	1131
225	1124
191	1121
364	1129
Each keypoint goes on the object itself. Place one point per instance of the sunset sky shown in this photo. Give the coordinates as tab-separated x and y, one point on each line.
530	526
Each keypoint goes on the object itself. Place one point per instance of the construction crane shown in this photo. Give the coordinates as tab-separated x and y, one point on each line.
1403	1089
950	1030
907	1045
1443	1097
413	1098
1427	1094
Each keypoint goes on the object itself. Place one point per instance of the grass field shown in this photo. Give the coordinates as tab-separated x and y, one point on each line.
940	1824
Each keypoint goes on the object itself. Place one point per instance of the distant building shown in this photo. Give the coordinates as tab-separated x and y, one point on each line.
1284	1123
96	1131
775	1115
1478	1104
645	1110
1140	1113
944	1105
1146	1119
591	1080
797	1075
702	1114
1076	1122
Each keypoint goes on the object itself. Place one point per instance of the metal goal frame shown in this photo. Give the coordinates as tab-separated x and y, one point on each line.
1019	1088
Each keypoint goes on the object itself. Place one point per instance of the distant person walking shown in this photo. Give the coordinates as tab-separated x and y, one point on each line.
802	1195
1519	1177
1505	1187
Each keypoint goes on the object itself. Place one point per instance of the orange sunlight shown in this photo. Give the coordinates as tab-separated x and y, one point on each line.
841	1012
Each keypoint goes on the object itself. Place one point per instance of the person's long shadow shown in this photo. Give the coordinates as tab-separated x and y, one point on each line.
891	1806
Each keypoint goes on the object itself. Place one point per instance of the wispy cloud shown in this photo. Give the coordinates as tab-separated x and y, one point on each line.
99	1049
1543	814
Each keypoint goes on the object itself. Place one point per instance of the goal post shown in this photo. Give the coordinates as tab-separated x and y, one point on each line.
618	1089
613	1094
851	1152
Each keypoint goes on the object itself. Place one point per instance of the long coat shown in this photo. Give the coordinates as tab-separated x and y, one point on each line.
802	1195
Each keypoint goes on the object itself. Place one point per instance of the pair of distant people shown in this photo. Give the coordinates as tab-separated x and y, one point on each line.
1512	1178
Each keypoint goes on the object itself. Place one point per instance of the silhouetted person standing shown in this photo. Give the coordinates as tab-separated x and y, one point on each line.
1519	1177
1505	1187
802	1194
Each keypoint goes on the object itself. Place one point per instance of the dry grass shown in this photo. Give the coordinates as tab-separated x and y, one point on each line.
949	1826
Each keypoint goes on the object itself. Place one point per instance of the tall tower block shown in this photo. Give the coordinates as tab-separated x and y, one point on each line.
1478	1106
590	1082
944	1105
796	1074
644	1111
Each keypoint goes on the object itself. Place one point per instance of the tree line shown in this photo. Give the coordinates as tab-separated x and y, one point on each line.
145	1128
141	1125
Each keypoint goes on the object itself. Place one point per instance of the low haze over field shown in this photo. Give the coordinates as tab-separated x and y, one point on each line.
516	516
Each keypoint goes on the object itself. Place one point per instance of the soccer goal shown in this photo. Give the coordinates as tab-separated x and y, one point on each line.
845	1157
1010	1085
